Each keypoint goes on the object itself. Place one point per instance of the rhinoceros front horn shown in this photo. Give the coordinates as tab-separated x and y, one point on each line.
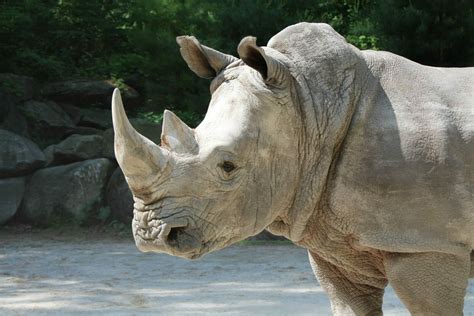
140	159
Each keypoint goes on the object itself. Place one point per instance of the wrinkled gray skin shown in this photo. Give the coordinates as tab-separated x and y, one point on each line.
364	158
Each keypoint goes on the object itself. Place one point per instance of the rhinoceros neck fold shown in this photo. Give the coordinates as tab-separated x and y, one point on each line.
327	104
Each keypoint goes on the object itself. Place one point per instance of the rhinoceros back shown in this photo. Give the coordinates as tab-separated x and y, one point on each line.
405	176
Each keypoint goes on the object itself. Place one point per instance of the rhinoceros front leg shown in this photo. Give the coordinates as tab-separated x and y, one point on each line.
429	283
347	297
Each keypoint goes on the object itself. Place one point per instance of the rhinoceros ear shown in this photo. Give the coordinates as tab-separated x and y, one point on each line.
272	70
202	60
177	136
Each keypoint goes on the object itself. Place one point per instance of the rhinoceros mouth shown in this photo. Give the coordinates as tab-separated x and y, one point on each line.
173	235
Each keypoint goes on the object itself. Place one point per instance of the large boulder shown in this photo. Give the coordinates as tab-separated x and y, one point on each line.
119	197
18	155
11	118
84	130
74	112
11	194
73	192
88	122
97	118
21	87
6	103
47	122
150	130
85	93
74	148
89	117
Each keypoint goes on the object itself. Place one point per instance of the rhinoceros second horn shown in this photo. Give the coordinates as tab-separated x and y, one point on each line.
176	135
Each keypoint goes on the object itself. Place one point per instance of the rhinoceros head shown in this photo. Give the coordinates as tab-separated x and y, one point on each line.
205	188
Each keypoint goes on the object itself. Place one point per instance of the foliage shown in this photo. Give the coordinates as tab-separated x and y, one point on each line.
191	118
11	87
151	116
133	41
432	32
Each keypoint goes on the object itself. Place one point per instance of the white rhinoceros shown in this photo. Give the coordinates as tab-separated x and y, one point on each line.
364	158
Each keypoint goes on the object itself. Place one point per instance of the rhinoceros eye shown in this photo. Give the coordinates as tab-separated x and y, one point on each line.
228	166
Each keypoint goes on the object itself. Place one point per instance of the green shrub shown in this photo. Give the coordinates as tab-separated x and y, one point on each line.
133	41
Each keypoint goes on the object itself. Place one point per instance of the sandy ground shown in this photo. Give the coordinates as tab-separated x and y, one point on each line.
47	274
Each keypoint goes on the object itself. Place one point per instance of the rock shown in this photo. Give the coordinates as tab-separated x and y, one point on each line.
85	93
18	155
74	148
119	197
11	119
6	103
148	129
84	130
96	118
47	122
15	122
11	194
48	113
108	145
72	193
73	111
21	87
91	121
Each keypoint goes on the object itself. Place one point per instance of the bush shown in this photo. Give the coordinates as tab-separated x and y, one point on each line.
133	41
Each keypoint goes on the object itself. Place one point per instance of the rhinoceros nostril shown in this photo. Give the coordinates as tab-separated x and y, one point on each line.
173	234
170	232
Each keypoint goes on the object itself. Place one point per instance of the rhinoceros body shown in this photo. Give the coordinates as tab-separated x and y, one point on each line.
364	158
405	174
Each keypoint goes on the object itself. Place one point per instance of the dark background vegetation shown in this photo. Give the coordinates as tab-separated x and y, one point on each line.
133	41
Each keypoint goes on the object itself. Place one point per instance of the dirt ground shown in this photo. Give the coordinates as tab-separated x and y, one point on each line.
50	273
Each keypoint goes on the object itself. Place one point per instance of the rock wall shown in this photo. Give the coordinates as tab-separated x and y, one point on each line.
57	160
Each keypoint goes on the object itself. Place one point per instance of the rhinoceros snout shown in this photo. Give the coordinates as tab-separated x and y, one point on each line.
172	236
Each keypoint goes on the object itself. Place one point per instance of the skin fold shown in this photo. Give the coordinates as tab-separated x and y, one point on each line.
364	158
